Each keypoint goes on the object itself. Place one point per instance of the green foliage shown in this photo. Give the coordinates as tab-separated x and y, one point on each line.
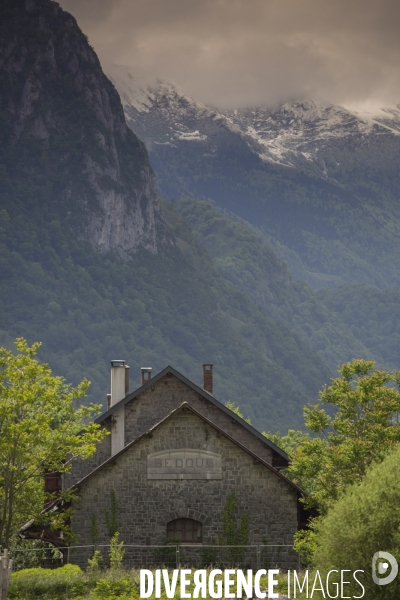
24	558
94	530
363	429
49	584
94	563
39	422
289	442
234	535
111	519
244	256
305	542
363	521
70	582
109	589
117	552
371	315
235	409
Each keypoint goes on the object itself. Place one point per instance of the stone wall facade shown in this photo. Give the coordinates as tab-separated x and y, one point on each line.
146	504
80	468
152	406
160	399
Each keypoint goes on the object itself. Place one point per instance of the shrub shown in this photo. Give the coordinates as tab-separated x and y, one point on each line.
94	563
108	589
365	520
44	583
116	552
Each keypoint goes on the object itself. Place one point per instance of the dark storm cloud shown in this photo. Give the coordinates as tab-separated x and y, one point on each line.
241	52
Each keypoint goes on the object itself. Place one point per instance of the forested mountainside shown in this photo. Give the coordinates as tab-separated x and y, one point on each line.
371	315
92	266
245	260
321	182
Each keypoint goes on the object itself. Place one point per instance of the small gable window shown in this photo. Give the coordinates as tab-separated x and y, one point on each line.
186	531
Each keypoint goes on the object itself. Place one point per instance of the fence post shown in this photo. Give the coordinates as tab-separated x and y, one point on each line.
178	560
258	557
5	574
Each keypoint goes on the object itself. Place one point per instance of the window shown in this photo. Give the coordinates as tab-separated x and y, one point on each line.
52	482
187	531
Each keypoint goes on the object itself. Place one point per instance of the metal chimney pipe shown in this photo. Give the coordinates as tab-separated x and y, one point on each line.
126	380
208	378
117	381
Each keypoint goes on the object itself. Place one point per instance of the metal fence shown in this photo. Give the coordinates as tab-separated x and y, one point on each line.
171	556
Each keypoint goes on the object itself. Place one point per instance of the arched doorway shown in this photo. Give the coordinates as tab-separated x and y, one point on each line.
185	531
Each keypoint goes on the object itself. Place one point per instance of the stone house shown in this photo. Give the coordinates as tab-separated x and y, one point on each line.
174	457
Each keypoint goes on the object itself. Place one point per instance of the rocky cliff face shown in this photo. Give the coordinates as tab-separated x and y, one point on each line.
64	132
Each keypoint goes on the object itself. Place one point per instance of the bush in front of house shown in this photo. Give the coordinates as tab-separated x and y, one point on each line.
70	582
45	583
364	521
108	589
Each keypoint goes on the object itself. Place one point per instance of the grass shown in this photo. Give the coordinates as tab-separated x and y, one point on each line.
70	582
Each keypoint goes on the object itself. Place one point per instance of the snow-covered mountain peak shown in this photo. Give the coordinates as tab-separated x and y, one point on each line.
295	134
160	112
134	86
140	90
387	117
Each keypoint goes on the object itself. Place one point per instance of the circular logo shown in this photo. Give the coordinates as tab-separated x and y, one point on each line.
382	567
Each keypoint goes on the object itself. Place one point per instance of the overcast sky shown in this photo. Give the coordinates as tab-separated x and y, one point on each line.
245	52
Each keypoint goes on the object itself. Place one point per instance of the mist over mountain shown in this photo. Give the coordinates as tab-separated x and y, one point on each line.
320	181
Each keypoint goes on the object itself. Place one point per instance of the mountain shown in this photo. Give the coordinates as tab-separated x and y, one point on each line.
244	259
95	266
303	134
65	138
320	181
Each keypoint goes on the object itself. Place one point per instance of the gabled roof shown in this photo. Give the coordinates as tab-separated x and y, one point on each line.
200	391
188	407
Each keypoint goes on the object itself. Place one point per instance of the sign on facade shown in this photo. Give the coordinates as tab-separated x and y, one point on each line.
184	464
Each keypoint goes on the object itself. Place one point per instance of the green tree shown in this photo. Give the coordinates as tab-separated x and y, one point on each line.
364	427
39	423
289	442
236	409
117	552
365	520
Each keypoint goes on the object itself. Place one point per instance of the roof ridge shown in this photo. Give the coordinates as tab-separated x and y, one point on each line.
206	396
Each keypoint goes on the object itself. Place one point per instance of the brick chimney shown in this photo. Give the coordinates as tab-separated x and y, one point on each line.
208	378
146	374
